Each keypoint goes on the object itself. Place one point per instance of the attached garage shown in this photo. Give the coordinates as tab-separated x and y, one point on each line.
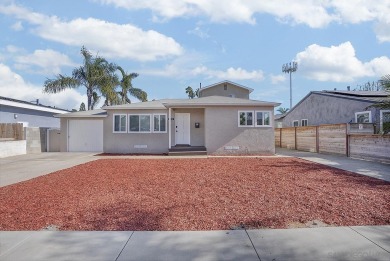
83	131
85	135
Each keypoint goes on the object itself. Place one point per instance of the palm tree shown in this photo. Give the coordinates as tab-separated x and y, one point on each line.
283	110
96	75
127	88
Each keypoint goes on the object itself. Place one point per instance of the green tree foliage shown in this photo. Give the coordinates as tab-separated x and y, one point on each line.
126	88
282	110
385	85
96	74
82	107
191	93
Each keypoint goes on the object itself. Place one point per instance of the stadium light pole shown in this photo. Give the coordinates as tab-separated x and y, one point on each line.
290	68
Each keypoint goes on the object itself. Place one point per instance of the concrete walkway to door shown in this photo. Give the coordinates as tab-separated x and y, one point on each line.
368	168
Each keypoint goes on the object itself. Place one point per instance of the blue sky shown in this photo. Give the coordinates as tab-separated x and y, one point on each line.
174	44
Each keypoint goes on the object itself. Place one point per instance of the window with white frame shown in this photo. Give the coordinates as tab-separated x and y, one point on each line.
159	123
363	117
385	121
295	123
304	122
120	125
245	118
263	118
139	122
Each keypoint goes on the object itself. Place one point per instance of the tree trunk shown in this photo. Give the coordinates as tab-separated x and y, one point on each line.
89	96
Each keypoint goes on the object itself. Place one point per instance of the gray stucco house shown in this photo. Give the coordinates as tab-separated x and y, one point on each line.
31	114
222	121
334	107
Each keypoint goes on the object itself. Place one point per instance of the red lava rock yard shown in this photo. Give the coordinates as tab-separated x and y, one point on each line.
194	194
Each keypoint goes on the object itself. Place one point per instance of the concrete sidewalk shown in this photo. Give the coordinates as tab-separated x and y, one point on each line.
368	168
326	243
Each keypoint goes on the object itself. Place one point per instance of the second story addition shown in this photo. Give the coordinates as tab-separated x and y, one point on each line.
226	89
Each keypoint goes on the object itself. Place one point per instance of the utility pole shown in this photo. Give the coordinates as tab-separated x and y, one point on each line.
290	68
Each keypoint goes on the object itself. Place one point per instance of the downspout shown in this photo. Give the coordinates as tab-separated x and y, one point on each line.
169	127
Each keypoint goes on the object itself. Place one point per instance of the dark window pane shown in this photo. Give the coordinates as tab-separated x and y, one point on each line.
134	123
163	121
116	123
250	118
123	122
242	118
156	123
259	118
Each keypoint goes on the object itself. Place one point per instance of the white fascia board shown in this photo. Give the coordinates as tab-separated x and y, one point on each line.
31	107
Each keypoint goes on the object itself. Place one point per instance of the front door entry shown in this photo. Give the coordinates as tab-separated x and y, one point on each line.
182	128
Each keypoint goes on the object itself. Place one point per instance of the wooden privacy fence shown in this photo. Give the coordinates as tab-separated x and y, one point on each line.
354	140
11	131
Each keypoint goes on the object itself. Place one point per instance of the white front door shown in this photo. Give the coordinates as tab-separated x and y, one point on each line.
182	128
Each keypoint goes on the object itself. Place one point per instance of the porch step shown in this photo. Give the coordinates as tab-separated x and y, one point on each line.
187	150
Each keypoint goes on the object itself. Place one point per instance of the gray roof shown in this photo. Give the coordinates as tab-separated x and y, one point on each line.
170	103
226	81
148	105
99	113
216	101
197	102
364	96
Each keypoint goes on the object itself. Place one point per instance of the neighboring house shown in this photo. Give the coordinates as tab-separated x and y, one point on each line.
212	123
31	114
333	107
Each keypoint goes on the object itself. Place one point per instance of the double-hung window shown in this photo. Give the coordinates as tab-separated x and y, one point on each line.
120	125
139	122
160	123
245	118
263	119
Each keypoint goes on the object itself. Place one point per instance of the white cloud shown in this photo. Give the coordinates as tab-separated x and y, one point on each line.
199	32
275	79
17	26
382	31
13	49
48	61
230	74
338	63
314	13
109	39
12	85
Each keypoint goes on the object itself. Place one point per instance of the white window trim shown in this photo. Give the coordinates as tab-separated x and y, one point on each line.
246	126
307	122
113	123
139	121
166	122
381	118
263	126
364	112
297	124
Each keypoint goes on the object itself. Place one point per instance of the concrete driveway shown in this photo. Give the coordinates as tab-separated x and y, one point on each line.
364	167
24	167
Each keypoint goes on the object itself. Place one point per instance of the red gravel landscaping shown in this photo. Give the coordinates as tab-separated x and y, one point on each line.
194	194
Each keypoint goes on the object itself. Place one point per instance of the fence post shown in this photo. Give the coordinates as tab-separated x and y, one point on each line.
317	140
280	138
347	139
295	138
